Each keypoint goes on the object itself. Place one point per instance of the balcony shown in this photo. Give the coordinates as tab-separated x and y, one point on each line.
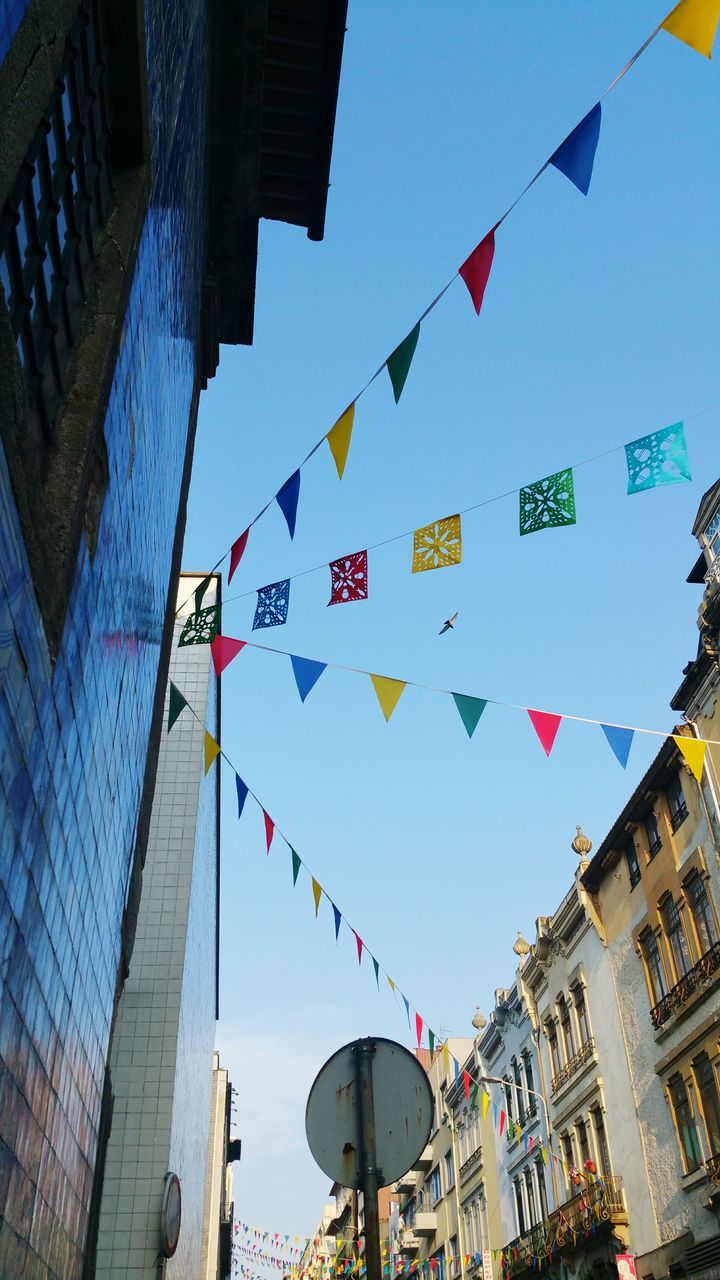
471	1163
713	1170
712	577
425	1223
583	1055
409	1241
407	1184
425	1160
598	1205
678	816
692	981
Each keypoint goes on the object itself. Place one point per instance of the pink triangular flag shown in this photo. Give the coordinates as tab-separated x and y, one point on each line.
475	270
418	1028
466	1085
359	943
223	650
269	829
237	551
546	725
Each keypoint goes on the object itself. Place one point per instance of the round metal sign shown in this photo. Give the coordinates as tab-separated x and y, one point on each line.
403	1106
170	1214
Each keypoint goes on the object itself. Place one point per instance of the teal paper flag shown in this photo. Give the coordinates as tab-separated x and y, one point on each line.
398	364
548	503
296	865
338	918
307	673
660	458
470	710
376	967
177	703
620	741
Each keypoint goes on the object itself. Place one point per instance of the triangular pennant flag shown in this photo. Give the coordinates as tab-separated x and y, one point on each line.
376	967
317	894
418	1029
388	693
406	1002
269	829
307	672
242	793
466	1085
398	364
200	592
359	944
475	270
456	1065
177	703
237	552
287	500
337	918
495	1112
446	1057
391	984
223	650
485	1103
296	865
576	155
693	750
212	750
620	741
473	1100
338	437
501	1125
695	23
431	1041
470	710
546	725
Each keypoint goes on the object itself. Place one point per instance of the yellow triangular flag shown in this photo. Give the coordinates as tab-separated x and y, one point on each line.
543	1153
446	1057
317	894
388	693
391	983
693	749
338	437
485	1103
212	750
695	23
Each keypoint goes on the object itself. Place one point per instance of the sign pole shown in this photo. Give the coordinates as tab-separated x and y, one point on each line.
364	1051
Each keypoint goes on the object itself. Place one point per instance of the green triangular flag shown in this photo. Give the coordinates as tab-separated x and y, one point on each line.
376	967
200	592
473	1099
398	364
431	1041
177	702
470	710
296	865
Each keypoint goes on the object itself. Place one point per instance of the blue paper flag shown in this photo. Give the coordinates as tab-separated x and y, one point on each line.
576	155
272	606
660	458
620	741
242	793
287	500
407	1008
338	918
457	1070
307	673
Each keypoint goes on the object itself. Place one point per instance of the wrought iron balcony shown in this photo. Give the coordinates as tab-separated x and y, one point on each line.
678	816
578	1059
409	1241
713	1169
686	987
712	577
472	1161
598	1203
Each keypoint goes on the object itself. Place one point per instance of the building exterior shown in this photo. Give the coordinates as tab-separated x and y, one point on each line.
655	881
476	1181
129	208
216	1259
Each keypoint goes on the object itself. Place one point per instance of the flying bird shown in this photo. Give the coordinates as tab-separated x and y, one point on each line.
448	624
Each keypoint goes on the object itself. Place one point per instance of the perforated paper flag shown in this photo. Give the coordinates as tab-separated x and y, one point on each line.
548	503
272	605
437	545
660	458
349	578
201	627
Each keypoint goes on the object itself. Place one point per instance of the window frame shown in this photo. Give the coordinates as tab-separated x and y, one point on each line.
708	913
676	802
692	1160
633	864
655	996
673	925
654	841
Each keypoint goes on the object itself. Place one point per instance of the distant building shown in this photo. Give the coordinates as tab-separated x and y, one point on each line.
216	1260
476	1181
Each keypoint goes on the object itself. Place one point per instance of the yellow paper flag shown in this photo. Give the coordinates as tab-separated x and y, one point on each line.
693	751
391	983
446	1057
485	1103
543	1153
317	894
212	750
338	437
388	693
695	23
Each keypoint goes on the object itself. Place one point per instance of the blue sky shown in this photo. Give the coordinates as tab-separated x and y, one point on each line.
600	324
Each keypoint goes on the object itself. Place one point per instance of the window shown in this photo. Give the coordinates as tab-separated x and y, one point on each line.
553	1046
508	1098
454	1258
685	1124
583	1143
633	865
567	1030
601	1146
469	1230
653	966
409	1214
518	1092
702	914
530	1083
676	936
519	1207
449	1171
652	832
567	1150
542	1189
712	536
530	1197
676	801
709	1104
435	1190
581	1013
438	1270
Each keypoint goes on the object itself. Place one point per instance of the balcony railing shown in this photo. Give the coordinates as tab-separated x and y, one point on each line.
470	1163
713	1169
598	1203
712	576
578	1059
678	816
688	984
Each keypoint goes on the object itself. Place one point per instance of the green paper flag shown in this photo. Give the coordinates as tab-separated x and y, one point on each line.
200	592
473	1099
177	702
398	364
470	710
296	865
431	1041
376	967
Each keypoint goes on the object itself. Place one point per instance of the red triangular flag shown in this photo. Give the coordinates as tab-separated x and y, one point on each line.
223	650
501	1125
475	270
466	1085
546	725
269	829
359	942
237	551
418	1028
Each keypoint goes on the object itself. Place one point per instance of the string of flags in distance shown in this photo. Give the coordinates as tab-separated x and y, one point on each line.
694	22
389	690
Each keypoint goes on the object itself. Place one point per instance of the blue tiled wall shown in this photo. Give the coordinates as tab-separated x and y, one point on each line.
73	740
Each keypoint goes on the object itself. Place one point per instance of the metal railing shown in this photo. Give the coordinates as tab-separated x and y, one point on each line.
598	1203
712	576
688	984
573	1064
678	816
713	1168
469	1164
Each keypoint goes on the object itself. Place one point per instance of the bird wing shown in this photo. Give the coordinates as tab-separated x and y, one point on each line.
445	627
454	617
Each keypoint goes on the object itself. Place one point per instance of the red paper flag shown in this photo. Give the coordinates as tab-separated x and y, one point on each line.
501	1125
237	551
475	270
223	650
269	829
359	942
466	1085
546	725
418	1028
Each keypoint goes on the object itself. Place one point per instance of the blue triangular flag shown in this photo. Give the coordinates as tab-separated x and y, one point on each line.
620	741
242	792
307	673
407	1008
338	918
457	1070
576	155
287	500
